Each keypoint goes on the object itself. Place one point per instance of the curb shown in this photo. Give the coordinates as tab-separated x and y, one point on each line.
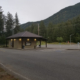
15	74
72	49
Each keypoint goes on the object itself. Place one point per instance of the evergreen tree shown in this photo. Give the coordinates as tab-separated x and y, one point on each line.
33	28
1	24
9	24
17	26
28	29
42	29
50	31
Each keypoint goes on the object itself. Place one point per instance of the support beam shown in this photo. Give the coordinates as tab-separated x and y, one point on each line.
40	43
13	43
22	43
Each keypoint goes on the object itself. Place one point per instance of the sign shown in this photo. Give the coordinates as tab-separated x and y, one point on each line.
28	43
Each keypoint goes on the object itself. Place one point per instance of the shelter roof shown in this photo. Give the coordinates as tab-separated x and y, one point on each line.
25	34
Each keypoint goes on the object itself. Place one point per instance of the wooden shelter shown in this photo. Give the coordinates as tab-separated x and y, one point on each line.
24	40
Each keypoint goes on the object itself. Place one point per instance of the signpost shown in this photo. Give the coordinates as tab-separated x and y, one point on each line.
70	38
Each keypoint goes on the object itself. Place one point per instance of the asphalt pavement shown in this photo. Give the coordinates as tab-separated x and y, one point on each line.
43	64
60	46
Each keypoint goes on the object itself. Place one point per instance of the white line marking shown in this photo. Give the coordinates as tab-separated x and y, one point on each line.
14	72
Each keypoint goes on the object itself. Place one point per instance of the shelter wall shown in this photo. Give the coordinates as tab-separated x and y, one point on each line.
18	44
10	44
33	45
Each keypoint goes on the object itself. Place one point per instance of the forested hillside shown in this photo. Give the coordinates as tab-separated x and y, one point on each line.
58	32
62	16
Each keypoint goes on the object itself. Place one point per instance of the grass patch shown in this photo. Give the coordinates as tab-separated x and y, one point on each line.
5	76
42	43
62	43
56	43
1	46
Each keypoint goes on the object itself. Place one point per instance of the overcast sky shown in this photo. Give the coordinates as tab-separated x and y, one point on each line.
34	10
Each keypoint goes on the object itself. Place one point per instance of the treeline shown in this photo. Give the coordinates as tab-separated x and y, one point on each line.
53	32
8	26
58	32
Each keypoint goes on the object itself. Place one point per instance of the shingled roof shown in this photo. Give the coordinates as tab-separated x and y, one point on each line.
25	34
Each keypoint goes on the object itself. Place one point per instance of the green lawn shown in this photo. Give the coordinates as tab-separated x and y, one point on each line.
56	43
63	43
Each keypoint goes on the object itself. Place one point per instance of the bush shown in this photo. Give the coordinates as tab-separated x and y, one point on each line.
59	39
2	39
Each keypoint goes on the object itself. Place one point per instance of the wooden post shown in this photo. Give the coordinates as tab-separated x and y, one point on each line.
46	44
13	43
40	43
22	43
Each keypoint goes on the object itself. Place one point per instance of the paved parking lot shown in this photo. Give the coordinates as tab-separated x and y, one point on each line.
43	64
60	46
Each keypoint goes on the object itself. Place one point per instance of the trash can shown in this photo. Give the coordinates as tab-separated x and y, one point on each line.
23	47
39	46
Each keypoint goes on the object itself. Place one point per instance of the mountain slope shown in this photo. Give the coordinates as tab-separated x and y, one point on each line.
61	16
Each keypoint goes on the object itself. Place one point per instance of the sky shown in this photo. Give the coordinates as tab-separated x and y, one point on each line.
34	10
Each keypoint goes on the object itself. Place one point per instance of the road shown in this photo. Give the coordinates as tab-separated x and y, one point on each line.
44	64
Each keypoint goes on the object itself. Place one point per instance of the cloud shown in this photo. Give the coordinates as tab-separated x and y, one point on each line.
33	10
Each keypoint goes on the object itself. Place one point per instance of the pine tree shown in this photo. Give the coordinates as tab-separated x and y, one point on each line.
1	24
17	26
42	29
50	32
35	30
9	24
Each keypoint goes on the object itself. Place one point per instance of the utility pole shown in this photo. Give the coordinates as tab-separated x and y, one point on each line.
14	24
38	28
38	34
70	38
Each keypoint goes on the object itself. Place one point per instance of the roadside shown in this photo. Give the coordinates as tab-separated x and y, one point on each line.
5	76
